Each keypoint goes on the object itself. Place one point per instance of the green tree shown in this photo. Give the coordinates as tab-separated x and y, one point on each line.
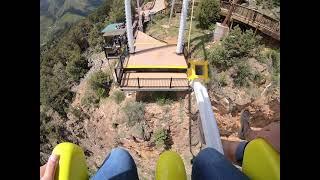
99	83
117	13
240	44
243	74
207	13
235	47
77	68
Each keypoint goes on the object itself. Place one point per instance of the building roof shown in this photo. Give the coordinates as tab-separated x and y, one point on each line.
114	29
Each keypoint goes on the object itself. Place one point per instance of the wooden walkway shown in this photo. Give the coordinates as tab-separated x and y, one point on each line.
253	18
157	5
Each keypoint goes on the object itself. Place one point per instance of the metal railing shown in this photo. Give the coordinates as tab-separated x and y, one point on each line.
254	18
155	82
118	70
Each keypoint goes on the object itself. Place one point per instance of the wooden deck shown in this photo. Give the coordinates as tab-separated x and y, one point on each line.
154	54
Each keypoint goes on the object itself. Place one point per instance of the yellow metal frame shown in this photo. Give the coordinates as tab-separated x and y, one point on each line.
192	70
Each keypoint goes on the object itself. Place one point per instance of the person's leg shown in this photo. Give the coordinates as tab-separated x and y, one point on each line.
209	164
119	165
270	133
233	150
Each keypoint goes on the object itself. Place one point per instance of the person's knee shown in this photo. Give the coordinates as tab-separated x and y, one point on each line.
208	154
211	164
120	152
120	164
123	155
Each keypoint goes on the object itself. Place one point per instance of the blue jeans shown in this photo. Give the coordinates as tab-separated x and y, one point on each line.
209	164
119	165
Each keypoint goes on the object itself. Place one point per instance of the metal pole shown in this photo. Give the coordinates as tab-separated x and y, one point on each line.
127	4
171	11
170	82
208	121
138	83
182	26
190	28
140	26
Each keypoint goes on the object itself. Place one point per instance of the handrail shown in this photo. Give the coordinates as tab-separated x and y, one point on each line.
140	82
119	69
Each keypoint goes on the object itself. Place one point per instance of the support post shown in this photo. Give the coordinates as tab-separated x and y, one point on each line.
170	81
190	28
138	83
231	24
115	72
171	11
227	18
182	26
255	31
140	25
129	25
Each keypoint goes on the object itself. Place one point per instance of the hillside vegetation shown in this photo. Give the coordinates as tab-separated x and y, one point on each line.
56	15
64	61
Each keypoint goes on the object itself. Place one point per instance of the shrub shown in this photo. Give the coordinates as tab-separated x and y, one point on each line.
119	96
268	4
163	101
276	79
220	58
240	44
115	125
163	98
272	58
89	98
160	137
134	112
212	27
235	47
275	57
158	17
77	68
222	79
100	83
78	113
207	13
243	74
117	13
258	78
